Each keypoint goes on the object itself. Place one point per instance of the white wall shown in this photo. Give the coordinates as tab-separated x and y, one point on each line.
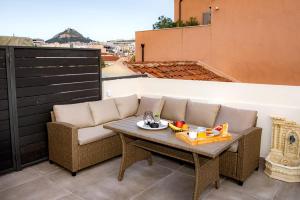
268	100
120	87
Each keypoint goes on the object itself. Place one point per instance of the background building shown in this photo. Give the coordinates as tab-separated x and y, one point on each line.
249	40
15	41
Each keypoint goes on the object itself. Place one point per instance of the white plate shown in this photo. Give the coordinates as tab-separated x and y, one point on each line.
163	125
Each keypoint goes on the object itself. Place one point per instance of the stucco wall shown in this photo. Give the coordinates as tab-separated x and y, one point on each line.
250	40
191	8
268	100
174	44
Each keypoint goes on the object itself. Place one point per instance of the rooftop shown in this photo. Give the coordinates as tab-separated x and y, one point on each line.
167	178
109	57
186	70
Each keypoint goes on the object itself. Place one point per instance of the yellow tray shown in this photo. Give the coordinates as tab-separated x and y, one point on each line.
184	137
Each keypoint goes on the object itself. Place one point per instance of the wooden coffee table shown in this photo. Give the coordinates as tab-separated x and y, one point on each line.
138	144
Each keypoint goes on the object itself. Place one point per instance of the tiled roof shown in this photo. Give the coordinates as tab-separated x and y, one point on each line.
176	70
109	57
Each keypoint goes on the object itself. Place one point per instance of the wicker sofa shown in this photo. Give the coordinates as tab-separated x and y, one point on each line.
77	138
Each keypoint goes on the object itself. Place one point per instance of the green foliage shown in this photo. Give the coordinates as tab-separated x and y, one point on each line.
132	59
163	22
192	22
179	23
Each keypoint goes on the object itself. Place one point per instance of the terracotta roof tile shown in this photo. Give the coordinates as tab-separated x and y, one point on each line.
109	57
176	70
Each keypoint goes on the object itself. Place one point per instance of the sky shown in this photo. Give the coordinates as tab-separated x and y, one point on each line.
99	20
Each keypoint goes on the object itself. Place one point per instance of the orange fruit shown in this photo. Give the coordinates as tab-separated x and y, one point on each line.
185	127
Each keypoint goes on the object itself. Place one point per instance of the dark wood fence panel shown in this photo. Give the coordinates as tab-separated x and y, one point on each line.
46	77
41	81
6	157
33	62
32	80
54	71
55	52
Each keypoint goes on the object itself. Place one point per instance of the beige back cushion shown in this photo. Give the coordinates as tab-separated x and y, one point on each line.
127	106
154	105
238	119
201	114
104	111
78	114
174	109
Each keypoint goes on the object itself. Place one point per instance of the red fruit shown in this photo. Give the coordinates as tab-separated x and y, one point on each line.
218	128
179	124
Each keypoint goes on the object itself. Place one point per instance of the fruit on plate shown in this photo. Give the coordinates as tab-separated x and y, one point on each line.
179	124
185	127
223	128
175	128
218	128
154	125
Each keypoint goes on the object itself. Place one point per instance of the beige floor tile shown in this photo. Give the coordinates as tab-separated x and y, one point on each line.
166	179
163	161
70	197
257	185
85	177
226	193
288	191
136	179
17	178
45	168
170	163
38	189
187	169
176	186
190	170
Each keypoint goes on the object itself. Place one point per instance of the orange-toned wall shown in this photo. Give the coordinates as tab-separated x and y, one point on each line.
251	40
174	44
191	8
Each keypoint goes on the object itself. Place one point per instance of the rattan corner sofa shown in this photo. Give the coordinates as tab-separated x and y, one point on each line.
78	140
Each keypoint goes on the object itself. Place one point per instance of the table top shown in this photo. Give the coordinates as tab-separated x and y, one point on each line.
128	127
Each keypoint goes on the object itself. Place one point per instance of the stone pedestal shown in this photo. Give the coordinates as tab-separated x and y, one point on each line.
283	162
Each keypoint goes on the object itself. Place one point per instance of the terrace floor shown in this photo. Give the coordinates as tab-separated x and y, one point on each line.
165	179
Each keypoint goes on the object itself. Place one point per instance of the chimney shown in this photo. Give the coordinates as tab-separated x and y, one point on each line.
180	3
143	52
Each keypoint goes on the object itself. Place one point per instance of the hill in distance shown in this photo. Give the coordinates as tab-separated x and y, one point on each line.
69	35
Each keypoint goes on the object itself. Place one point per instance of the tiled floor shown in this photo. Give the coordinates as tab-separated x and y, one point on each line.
165	179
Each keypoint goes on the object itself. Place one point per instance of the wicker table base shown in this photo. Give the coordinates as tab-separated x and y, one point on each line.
134	149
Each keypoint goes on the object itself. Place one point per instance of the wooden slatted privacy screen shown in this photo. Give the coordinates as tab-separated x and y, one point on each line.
45	77
6	158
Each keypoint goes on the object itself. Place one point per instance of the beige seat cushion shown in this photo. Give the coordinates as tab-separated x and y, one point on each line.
154	105
174	109
92	134
127	106
234	147
78	114
201	114
104	111
238	119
